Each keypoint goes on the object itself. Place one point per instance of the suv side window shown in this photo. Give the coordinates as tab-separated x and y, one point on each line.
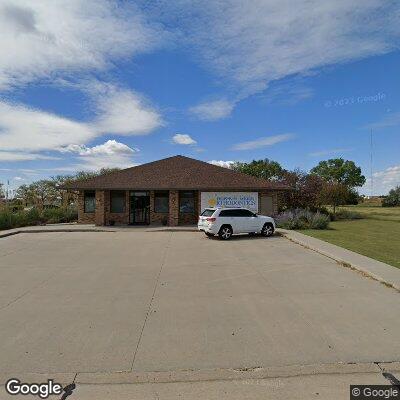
229	213
246	213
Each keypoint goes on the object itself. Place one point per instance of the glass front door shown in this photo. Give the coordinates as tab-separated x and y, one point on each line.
139	210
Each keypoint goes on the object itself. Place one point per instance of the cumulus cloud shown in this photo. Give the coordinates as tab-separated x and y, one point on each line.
43	38
383	181
110	147
183	139
262	142
221	163
109	154
212	110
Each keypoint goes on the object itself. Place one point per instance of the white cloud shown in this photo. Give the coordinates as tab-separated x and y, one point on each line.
213	110
41	39
389	120
328	152
383	181
21	156
249	44
221	163
120	111
27	129
108	154
262	142
183	139
111	147
18	178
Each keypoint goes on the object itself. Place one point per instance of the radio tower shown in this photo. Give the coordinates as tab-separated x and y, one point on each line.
372	177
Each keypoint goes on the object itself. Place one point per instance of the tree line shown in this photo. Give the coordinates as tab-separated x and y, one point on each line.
332	182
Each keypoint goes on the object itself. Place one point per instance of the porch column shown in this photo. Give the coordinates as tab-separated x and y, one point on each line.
100	213
173	217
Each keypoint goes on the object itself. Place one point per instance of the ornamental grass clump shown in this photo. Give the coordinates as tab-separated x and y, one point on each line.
302	219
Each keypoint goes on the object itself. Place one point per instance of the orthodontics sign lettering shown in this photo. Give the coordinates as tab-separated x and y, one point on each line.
230	199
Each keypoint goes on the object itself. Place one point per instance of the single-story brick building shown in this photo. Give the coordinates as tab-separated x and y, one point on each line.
172	191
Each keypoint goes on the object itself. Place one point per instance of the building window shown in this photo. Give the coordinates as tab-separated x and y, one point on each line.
186	202
161	202
89	202
117	200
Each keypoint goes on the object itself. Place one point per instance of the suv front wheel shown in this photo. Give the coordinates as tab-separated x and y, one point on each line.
225	233
267	230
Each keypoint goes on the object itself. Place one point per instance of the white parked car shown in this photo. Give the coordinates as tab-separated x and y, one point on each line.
226	222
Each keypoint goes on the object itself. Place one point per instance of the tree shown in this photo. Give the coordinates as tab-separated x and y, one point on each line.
305	190
393	198
338	170
266	169
335	194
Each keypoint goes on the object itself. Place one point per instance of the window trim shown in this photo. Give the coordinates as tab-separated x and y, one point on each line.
86	193
192	197
166	195
120	192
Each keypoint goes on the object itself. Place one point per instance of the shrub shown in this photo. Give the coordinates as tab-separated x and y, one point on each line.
9	219
302	219
393	198
345	214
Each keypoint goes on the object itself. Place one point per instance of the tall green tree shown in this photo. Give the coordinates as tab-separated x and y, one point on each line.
338	170
266	169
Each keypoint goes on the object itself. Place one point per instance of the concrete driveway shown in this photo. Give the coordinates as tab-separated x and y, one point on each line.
168	301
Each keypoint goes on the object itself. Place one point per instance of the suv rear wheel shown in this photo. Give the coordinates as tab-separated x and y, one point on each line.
225	233
267	230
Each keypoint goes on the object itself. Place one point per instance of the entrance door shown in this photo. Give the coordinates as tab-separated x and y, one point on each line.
139	210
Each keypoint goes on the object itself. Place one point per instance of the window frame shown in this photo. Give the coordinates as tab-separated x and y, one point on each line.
122	193
161	194
193	197
92	194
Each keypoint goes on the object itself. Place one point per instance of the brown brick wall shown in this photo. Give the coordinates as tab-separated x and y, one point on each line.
84	218
156	218
103	215
117	218
173	217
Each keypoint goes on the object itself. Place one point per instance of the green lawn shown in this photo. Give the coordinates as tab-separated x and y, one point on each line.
376	236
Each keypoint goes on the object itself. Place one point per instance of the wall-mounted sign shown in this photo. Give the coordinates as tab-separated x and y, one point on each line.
230	199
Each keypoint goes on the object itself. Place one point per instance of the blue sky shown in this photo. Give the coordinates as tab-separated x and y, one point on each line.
87	84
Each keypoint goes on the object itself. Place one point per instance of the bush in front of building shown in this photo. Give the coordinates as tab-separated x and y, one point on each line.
10	219
302	219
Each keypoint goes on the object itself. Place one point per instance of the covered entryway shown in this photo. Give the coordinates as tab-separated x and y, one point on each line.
139	208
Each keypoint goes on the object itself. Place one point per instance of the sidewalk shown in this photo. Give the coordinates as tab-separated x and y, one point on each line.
377	270
74	227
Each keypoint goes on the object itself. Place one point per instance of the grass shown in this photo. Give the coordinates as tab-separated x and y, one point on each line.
376	236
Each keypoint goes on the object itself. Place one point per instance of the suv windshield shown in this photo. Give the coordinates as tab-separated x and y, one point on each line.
207	213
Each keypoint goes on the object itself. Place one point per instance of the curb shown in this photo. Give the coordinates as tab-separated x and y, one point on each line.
343	263
16	232
212	374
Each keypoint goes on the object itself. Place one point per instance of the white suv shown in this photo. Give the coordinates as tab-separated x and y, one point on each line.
225	222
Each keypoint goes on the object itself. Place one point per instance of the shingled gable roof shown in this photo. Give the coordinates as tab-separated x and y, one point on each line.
176	172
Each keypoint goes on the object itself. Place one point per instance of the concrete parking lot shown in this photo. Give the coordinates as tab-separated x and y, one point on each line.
168	301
